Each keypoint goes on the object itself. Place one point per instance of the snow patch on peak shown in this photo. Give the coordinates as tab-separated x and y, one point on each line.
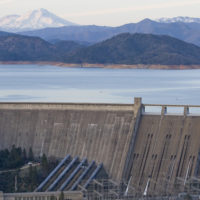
179	19
36	19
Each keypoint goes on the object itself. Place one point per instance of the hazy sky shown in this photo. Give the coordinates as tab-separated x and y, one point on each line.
105	12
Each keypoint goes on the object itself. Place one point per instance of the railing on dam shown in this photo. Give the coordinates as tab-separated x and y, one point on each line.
160	109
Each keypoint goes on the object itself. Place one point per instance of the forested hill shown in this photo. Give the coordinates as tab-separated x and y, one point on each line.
121	49
139	49
25	48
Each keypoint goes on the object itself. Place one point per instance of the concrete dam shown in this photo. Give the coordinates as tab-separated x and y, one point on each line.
158	152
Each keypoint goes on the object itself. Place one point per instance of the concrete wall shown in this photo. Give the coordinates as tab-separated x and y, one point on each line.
97	132
166	151
1	196
160	149
73	195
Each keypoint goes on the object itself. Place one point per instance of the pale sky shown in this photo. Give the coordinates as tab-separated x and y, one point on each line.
105	12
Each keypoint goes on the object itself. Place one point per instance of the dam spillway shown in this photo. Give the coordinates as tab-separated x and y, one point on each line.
133	145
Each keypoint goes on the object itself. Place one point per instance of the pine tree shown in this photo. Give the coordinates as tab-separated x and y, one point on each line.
45	165
61	197
52	197
34	177
24	156
30	177
30	155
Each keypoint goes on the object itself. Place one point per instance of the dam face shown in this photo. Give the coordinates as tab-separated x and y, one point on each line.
166	151
158	152
97	132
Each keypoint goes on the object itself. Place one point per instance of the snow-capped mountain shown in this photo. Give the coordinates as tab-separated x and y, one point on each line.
179	19
36	19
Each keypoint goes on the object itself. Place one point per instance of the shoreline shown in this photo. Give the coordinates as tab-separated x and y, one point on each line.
111	66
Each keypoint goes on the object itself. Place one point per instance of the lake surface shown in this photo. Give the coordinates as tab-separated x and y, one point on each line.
35	83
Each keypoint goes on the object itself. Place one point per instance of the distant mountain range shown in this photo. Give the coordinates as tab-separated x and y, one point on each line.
3	33
122	49
42	36
48	26
188	32
36	19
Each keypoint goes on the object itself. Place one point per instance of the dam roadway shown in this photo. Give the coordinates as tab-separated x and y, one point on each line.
131	144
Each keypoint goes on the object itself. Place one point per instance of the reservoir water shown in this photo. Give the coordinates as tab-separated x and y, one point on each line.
35	83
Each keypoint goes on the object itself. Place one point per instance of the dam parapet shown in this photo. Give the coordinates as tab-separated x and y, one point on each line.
161	109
